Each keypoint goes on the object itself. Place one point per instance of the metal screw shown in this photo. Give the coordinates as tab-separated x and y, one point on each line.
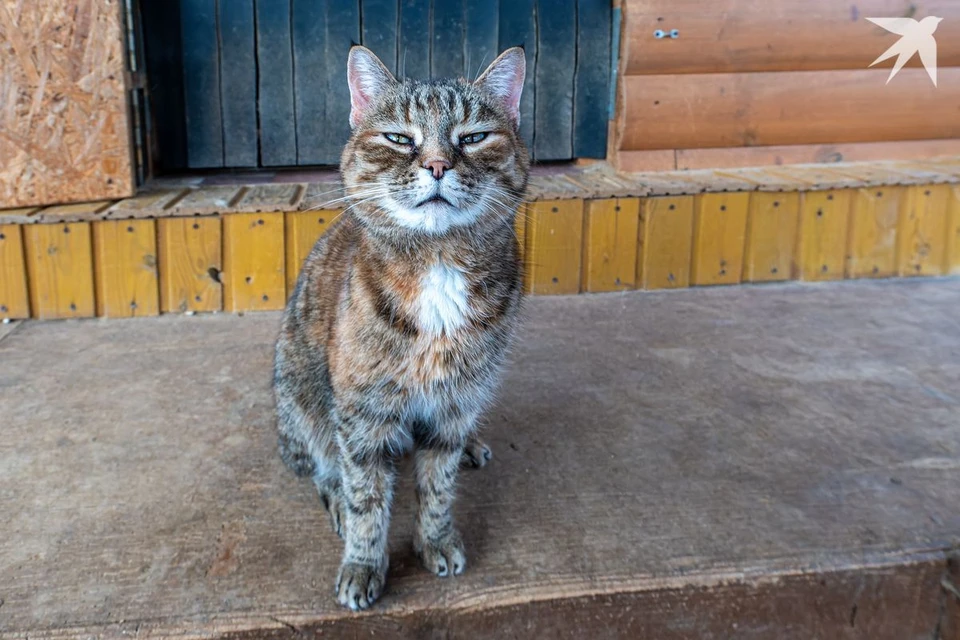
674	33
659	34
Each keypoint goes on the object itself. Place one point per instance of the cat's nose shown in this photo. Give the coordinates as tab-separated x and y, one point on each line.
437	166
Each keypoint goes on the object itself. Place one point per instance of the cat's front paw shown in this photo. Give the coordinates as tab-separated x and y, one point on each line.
359	585
476	454
444	557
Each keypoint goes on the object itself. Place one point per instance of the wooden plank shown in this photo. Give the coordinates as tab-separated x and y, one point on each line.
238	83
64	123
805	154
201	83
771	239
253	262
190	264
610	245
125	268
590	109
873	232
719	230
379	29
413	57
22	215
518	28
751	109
520	230
824	224
343	30
278	132
922	231
666	242
14	300
655	160
446	52
480	37
150	204
60	270
952	266
163	64
554	248
207	201
753	35
310	82
556	61
268	198
303	229
77	212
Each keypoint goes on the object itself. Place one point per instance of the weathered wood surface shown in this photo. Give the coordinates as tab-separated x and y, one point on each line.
804	107
783	35
666	466
64	129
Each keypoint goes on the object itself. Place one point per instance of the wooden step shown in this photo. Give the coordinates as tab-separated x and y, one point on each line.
713	463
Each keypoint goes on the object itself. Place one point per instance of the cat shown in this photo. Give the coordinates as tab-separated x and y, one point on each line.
400	322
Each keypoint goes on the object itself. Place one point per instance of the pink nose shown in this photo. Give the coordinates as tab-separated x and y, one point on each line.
437	166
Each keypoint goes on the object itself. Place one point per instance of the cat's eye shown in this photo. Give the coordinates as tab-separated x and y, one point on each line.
398	138
473	138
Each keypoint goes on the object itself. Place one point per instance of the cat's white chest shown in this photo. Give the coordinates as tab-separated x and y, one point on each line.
442	305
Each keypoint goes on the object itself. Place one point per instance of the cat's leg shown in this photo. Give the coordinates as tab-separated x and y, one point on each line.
439	453
368	472
476	453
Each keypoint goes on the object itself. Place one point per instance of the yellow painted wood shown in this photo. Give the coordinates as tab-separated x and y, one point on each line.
952	265
922	231
60	270
554	242
14	299
190	264
610	244
719	230
666	242
125	266
254	273
872	241
520	229
303	229
771	240
824	225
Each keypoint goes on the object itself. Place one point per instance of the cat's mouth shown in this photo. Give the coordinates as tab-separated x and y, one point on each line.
435	199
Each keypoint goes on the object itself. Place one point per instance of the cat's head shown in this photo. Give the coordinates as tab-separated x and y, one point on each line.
429	157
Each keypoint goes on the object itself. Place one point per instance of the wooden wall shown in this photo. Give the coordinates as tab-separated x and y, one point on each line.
64	126
786	81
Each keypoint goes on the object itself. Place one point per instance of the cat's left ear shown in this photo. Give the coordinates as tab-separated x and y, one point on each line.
367	78
503	79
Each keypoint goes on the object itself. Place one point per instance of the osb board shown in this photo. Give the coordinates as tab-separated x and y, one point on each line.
64	127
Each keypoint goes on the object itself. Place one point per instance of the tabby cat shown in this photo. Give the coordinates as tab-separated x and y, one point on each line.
399	325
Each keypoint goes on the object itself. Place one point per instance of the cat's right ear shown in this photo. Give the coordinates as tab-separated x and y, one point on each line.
503	79
367	78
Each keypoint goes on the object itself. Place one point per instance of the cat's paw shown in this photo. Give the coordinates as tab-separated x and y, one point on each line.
359	585
476	454
444	557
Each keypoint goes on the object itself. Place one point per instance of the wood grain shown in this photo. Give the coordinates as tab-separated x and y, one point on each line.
759	35
190	264
554	246
952	265
303	229
805	107
60	270
14	299
254	276
64	128
824	224
666	242
719	229
125	268
771	238
922	231
610	244
873	232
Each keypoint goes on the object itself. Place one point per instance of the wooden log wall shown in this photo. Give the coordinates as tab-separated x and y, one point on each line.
235	248
759	82
64	125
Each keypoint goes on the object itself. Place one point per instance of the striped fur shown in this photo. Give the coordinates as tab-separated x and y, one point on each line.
396	333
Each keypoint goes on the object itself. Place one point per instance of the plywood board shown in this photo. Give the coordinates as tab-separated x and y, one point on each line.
64	125
610	245
666	242
125	265
771	242
60	270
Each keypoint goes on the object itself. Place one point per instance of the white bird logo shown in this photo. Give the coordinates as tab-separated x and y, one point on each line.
917	37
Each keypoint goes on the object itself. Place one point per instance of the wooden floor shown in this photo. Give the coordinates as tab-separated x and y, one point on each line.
750	462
